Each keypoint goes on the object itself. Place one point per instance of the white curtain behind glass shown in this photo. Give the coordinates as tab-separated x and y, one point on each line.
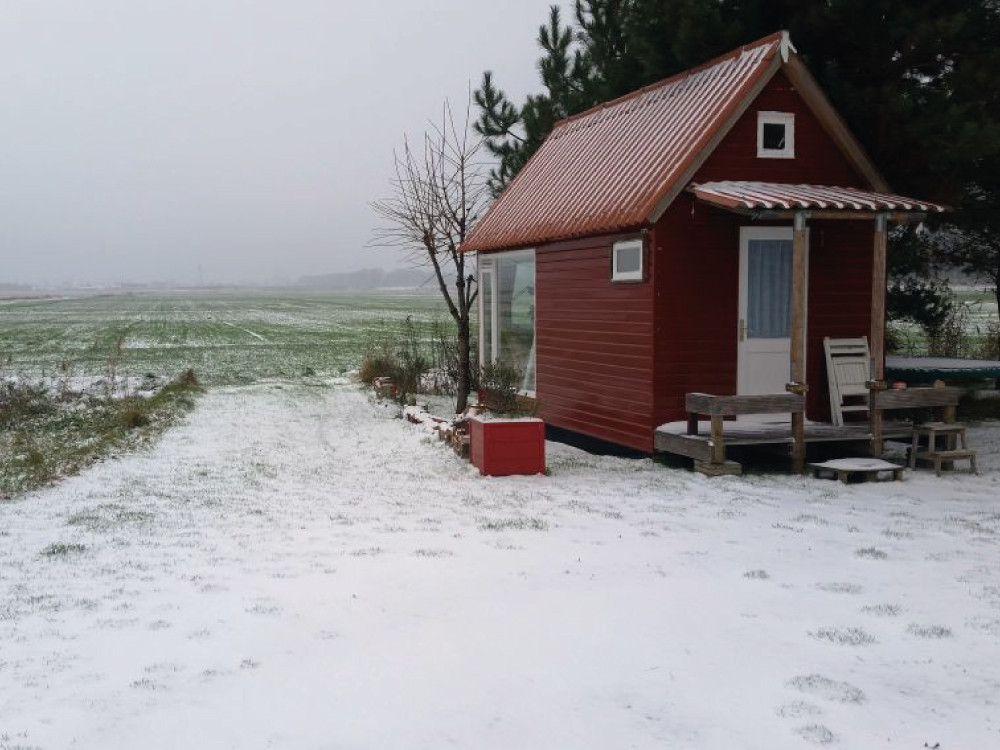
769	288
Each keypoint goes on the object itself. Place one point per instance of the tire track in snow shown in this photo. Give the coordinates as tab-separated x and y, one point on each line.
247	330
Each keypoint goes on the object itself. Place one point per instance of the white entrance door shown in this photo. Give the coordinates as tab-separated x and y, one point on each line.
765	312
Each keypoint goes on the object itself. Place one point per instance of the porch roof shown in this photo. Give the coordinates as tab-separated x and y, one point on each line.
765	197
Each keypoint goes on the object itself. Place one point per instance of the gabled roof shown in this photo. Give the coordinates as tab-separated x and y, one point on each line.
619	165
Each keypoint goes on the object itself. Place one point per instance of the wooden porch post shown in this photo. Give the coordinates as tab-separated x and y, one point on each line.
798	337
877	338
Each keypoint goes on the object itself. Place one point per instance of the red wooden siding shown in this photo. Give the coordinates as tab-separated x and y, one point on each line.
817	161
697	285
697	294
840	295
594	343
697	264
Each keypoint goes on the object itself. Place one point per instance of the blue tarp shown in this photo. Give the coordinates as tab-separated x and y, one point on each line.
948	369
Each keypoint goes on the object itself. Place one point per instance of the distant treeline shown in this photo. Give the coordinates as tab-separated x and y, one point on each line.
368	279
14	288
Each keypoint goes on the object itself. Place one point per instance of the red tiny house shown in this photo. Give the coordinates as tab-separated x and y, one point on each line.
708	170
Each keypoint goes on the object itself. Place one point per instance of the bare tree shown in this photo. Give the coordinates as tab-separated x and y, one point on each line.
436	196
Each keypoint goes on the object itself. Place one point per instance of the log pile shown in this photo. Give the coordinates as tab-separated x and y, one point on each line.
454	433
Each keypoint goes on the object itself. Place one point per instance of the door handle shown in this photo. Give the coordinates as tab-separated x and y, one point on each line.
743	329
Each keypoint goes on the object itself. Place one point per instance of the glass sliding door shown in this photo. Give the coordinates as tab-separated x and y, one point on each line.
507	312
486	313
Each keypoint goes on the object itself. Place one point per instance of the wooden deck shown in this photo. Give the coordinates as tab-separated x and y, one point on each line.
672	438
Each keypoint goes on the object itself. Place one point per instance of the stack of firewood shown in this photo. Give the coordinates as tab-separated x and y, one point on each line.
385	388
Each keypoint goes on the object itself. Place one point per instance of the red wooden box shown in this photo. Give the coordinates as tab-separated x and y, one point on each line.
500	447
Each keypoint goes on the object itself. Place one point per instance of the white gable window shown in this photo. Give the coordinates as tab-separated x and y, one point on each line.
626	261
775	135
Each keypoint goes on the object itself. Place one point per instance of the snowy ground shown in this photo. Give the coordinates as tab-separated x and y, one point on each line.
293	569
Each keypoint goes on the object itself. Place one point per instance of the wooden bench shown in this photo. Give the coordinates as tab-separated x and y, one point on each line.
717	408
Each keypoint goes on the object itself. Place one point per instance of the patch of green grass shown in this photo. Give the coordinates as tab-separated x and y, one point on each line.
882	610
38	448
872	553
108	517
59	549
522	523
929	631
845	636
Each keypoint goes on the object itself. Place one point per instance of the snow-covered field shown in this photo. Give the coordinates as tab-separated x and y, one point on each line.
293	569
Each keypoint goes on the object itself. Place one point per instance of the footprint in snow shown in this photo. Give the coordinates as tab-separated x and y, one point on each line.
433	553
264	608
831	690
844	636
882	610
840	587
798	710
817	734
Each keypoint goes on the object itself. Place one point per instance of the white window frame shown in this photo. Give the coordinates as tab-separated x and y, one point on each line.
486	267
637	275
776	118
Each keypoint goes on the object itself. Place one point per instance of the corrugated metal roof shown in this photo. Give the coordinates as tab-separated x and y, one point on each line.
607	169
771	196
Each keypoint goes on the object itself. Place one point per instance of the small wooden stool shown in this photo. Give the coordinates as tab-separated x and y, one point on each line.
954	446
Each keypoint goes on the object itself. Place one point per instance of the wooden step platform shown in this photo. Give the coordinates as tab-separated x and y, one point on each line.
948	457
866	469
945	444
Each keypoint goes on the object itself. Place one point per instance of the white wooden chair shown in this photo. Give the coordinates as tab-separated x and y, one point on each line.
848	364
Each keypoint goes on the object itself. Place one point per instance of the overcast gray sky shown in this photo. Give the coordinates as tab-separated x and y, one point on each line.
140	139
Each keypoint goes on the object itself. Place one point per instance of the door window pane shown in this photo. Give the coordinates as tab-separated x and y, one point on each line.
769	288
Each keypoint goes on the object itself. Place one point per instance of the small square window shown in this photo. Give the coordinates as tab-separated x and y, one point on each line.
776	135
626	261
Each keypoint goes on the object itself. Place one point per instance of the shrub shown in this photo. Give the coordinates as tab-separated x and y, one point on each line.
500	383
374	364
989	343
135	415
445	364
398	355
188	377
409	363
949	339
21	400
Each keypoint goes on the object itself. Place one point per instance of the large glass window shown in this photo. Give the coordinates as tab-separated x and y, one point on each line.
507	312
